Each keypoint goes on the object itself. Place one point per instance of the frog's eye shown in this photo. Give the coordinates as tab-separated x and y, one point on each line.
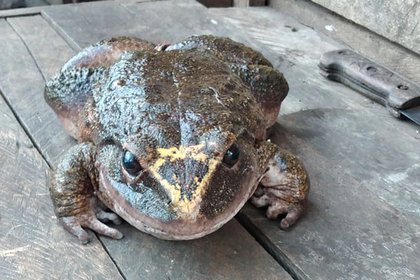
130	163
232	155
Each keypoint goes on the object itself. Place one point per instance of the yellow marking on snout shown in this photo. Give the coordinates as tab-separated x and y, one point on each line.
186	208
175	153
190	208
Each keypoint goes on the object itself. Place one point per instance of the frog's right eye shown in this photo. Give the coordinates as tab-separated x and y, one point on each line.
231	156
130	163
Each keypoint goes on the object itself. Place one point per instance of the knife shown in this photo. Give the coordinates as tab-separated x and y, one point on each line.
400	95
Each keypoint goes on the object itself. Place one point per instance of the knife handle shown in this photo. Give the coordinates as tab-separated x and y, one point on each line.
371	79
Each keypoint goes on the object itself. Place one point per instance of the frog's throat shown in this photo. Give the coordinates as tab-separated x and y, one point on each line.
185	207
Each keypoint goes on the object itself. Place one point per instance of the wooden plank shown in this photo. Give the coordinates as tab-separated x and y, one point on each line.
241	3
31	240
248	3
216	3
397	20
354	36
298	58
32	243
30	11
165	21
25	89
363	217
30	29
231	252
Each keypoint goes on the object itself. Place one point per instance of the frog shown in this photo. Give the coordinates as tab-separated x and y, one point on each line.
171	138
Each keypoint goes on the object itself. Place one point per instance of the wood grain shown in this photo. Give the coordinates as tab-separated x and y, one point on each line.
31	11
363	218
249	3
216	3
158	22
231	252
394	19
32	243
22	83
363	212
362	40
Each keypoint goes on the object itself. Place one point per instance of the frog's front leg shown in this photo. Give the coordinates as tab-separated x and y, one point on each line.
283	188
72	188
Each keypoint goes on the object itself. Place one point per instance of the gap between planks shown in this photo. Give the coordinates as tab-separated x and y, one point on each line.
26	129
18	119
295	272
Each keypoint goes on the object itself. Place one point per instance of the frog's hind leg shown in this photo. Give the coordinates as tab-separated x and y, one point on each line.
283	188
73	194
69	91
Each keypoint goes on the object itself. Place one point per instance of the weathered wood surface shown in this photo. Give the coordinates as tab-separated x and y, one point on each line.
363	213
166	21
22	82
397	20
25	60
364	41
229	253
38	9
216	3
363	216
32	243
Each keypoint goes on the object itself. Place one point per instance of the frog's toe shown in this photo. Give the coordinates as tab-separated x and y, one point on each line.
73	226
292	216
99	227
277	206
292	211
283	188
105	217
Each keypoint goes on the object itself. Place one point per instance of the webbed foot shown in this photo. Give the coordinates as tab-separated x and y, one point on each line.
277	207
73	194
283	188
93	220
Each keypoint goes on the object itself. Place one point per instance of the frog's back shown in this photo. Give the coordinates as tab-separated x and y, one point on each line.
173	98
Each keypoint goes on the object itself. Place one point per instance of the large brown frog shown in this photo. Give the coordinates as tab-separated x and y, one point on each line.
172	138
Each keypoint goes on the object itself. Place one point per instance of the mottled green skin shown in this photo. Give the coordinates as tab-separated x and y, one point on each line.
124	94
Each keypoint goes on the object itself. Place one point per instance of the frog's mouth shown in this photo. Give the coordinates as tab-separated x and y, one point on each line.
173	227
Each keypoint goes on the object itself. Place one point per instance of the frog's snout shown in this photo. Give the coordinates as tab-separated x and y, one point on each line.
184	173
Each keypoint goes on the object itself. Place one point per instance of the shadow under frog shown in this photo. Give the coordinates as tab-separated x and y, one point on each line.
172	138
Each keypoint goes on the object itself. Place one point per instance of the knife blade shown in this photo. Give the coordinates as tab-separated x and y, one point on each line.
400	95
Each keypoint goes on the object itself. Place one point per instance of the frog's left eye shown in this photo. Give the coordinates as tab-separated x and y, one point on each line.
130	163
231	156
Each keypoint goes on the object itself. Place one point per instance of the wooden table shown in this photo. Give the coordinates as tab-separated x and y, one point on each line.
363	216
